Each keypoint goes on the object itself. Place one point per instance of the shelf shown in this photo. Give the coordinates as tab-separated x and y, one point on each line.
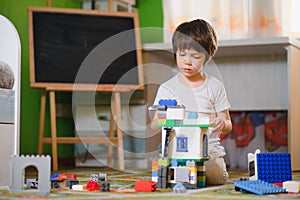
239	47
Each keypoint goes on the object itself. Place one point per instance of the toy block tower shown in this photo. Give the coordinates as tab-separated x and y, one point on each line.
184	142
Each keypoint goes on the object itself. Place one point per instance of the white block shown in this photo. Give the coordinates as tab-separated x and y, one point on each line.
190	121
154	179
252	165
198	121
291	186
77	187
203	120
175	113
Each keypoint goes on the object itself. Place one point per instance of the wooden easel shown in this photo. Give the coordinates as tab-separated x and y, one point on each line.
54	140
112	140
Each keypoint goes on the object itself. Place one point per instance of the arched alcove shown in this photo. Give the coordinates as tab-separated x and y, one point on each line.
31	177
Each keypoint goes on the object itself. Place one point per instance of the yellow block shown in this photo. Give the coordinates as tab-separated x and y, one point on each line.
161	121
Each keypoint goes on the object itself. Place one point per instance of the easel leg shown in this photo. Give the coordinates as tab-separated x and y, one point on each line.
49	3
119	130
42	121
111	134
111	5
53	130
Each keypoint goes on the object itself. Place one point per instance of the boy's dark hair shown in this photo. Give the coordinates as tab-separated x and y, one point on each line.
196	34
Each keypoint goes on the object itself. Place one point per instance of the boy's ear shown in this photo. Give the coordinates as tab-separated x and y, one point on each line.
208	59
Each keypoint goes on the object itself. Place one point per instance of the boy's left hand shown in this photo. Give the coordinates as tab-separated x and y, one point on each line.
218	123
221	122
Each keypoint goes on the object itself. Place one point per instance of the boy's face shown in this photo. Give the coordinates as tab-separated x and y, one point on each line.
190	62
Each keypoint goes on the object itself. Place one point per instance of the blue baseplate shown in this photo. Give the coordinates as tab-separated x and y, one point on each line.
274	167
258	187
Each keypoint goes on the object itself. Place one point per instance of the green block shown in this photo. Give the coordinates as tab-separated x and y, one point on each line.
190	159
170	123
163	162
161	122
201	184
201	178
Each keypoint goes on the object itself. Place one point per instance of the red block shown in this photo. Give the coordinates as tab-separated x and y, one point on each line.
92	185
277	184
73	176
62	177
144	186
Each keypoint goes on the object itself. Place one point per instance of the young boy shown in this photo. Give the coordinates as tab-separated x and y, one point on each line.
194	45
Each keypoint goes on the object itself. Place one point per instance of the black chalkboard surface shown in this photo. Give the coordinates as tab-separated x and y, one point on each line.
70	46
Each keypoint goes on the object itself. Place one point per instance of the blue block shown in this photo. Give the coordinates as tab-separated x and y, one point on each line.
258	187
174	163
54	175
167	102
154	174
192	115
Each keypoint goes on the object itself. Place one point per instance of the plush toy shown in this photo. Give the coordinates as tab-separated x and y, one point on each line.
7	77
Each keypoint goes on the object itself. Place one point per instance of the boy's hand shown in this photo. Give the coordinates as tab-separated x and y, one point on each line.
218	123
221	122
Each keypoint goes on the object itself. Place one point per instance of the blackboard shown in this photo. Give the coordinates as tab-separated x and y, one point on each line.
70	46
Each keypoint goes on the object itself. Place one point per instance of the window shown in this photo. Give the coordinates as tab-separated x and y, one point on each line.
182	144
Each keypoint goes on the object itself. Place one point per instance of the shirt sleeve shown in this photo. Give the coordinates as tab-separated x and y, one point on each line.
221	101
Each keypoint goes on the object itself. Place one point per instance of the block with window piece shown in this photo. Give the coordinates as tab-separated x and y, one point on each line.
183	133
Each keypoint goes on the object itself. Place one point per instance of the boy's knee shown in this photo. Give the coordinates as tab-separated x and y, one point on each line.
216	173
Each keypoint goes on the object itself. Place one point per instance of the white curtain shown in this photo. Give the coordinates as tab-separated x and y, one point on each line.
232	19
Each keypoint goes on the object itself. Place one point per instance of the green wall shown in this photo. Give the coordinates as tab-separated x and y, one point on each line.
150	15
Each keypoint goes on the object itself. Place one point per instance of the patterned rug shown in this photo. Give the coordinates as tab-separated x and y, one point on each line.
122	187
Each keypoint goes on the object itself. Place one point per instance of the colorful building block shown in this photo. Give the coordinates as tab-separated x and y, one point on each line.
70	182
291	186
167	102
104	186
55	183
92	185
77	187
145	186
31	183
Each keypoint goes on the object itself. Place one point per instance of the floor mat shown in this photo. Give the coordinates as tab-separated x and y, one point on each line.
122	187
